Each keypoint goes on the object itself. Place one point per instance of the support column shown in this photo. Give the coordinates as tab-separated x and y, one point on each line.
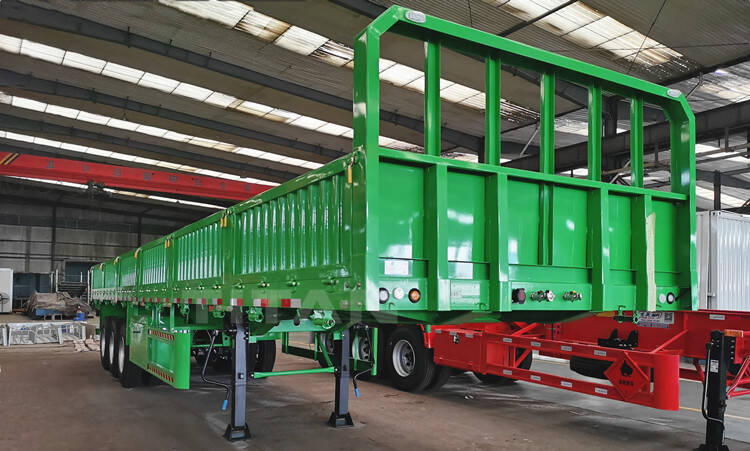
717	190
237	429
715	391
340	416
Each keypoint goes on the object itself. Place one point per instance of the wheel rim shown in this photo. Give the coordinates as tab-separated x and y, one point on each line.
363	349
403	358
111	348
121	355
102	346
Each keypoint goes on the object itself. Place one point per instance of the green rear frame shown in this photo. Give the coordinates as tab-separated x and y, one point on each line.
313	253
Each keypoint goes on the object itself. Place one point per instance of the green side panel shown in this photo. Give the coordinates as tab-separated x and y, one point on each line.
664	240
401	216
522	222
619	232
569	227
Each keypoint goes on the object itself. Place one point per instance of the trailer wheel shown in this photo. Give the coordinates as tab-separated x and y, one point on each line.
410	364
494	379
266	355
327	339
113	347
104	343
130	373
442	374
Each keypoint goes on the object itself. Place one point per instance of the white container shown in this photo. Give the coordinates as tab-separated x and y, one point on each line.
723	260
6	290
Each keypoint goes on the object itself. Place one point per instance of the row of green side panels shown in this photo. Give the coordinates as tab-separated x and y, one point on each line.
486	240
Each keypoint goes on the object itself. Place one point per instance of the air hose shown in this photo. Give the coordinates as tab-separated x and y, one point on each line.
211	381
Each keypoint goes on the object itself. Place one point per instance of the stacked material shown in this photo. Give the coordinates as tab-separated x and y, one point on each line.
62	302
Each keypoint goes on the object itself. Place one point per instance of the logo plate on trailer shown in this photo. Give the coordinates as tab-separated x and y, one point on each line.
396	268
660	320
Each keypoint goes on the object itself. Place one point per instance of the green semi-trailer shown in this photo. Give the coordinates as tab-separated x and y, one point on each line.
386	236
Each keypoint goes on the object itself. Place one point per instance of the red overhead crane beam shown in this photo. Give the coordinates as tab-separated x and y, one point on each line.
124	177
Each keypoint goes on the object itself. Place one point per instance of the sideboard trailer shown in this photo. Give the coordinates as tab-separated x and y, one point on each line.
385	236
636	357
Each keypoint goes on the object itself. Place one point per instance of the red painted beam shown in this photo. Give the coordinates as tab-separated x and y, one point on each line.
124	177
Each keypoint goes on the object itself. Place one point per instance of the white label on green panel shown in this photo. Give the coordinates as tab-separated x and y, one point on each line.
464	290
396	268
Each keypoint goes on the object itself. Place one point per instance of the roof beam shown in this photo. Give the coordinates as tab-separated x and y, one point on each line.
198	159
21	12
708	124
727	178
30	83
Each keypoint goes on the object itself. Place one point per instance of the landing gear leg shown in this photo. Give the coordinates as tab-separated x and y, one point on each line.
719	353
340	416
237	429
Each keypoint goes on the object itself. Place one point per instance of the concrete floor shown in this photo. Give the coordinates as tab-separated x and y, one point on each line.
53	398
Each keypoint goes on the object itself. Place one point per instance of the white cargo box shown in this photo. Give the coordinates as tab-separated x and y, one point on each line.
6	290
723	260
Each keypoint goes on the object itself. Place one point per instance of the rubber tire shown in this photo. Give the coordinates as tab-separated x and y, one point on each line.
104	343
424	366
266	356
327	338
130	373
114	334
493	379
442	374
589	367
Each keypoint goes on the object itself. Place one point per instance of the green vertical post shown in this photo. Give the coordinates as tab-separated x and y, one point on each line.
497	242
436	216
643	223
636	142
595	132
492	110
432	144
547	124
600	247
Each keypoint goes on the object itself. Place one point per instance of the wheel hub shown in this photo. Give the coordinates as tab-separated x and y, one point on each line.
403	358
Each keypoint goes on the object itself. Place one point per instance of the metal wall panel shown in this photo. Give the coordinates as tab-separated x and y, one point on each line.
723	245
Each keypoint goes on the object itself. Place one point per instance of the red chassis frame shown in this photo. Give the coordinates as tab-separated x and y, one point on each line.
646	374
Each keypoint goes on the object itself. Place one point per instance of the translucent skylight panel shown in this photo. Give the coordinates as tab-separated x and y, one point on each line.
308	122
93	118
100	152
457	92
416	85
253	108
333	129
124	125
74	147
249	152
400	75
300	41
29	104
348	134
476	101
279	115
224	12
47	142
168	165
62	111
225	147
292	161
192	92
384	64
19	137
165	84
122	156
334	53
262	26
174	136
149	130
87	63
42	52
203	142
121	72
143	160
273	157
311	165
5	98
10	44
220	100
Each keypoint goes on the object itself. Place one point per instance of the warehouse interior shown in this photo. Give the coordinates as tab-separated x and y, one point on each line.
121	122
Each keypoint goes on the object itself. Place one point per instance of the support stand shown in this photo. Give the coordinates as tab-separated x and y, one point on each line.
237	429
340	416
719	352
